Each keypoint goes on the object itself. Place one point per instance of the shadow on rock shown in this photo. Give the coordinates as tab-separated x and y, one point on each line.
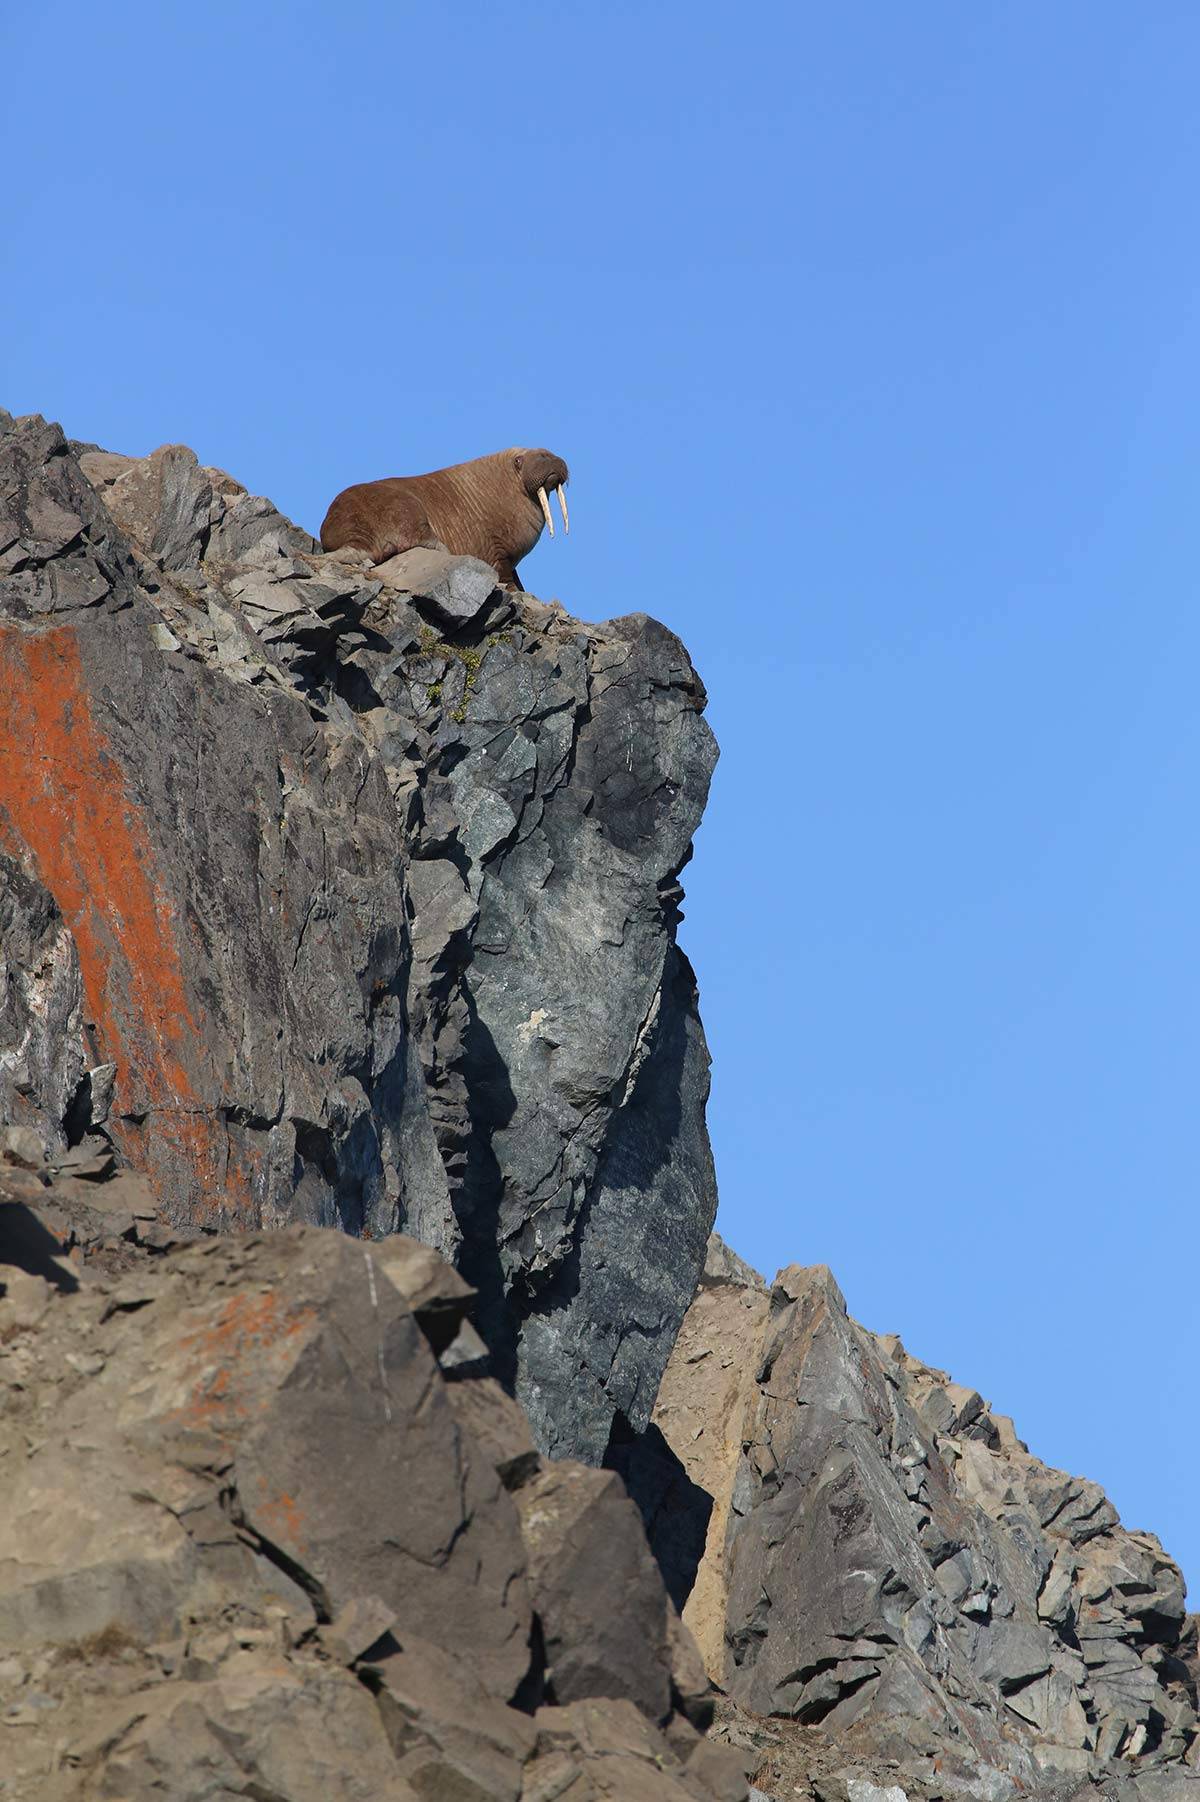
492	1105
675	1511
27	1245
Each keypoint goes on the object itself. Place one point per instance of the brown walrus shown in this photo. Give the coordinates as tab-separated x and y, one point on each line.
492	508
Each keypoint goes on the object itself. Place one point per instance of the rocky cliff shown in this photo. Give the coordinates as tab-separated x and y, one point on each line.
348	896
354	1188
887	1563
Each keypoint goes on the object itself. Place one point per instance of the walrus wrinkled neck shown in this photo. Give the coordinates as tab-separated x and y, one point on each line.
494	515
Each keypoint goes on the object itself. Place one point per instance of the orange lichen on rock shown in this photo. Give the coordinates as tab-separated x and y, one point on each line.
238	1356
281	1519
64	797
211	1403
248	1322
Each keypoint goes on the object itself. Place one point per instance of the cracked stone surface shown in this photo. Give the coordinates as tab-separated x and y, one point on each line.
341	902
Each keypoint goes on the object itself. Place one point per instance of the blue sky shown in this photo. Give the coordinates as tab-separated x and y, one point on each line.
870	335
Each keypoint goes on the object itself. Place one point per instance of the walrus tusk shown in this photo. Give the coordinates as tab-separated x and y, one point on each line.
546	510
562	501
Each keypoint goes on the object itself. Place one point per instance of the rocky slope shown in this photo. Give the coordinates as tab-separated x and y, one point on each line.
269	1529
887	1561
349	897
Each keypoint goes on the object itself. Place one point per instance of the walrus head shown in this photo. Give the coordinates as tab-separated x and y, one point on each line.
539	472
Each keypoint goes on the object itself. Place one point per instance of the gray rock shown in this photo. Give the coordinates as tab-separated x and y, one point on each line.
60	551
41	1006
596	1590
897	1568
723	1268
454	591
180	515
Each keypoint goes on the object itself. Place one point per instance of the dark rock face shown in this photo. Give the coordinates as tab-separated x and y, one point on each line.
352	903
41	1005
261	1534
892	1565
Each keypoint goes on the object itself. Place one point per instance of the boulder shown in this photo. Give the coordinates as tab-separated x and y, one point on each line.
451	591
596	1589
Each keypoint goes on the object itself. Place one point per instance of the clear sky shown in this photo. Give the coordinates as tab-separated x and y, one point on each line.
870	335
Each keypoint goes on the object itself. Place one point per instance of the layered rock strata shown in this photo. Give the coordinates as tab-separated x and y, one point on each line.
268	1528
348	896
887	1561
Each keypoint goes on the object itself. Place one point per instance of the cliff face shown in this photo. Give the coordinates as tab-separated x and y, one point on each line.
349	897
886	1561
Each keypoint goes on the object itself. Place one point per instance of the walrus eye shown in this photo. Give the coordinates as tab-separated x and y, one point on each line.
518	462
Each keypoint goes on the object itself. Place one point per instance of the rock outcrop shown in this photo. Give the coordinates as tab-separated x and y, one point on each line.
268	1528
354	1183
348	896
886	1561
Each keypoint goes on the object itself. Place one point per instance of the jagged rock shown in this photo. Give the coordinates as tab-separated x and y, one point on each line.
724	1269
439	1298
258	1728
888	1560
248	1546
347	896
362	1623
338	920
497	1423
560	1039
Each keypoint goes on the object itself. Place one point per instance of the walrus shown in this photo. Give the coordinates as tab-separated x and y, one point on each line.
492	508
